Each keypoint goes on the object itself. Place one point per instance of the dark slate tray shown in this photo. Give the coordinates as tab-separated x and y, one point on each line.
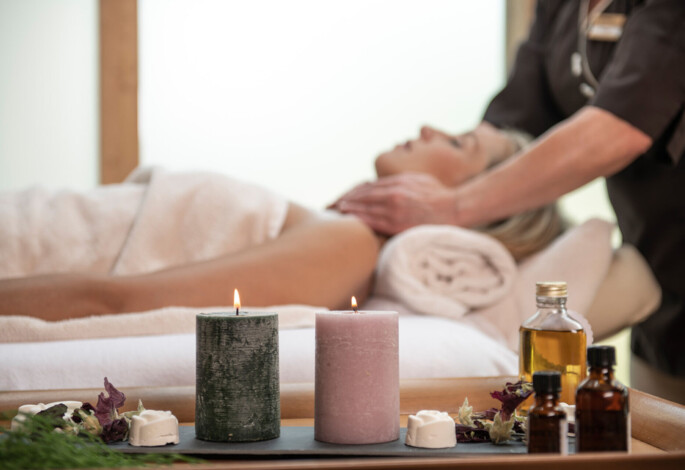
299	441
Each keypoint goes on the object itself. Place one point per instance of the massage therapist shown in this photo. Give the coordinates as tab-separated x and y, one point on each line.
597	90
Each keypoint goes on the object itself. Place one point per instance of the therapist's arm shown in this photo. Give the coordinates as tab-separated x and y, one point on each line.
590	144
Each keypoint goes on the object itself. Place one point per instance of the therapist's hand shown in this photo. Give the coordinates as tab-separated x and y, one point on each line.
396	203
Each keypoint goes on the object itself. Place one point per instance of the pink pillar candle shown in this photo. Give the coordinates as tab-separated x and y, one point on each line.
357	377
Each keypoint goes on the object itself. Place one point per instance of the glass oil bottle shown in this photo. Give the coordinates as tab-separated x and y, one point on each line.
546	426
602	411
552	340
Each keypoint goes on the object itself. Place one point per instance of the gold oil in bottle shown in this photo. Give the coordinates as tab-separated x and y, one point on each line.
551	340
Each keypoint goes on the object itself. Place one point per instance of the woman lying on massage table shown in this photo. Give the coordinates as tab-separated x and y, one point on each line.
315	259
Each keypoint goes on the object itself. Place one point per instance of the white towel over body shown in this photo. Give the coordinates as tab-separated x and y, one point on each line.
45	231
156	220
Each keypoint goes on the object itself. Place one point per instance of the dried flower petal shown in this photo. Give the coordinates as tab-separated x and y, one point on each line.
487	414
495	425
88	407
465	412
106	409
115	431
512	396
130	414
471	433
89	422
500	431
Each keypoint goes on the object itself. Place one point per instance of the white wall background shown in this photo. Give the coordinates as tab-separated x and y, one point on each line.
48	93
302	95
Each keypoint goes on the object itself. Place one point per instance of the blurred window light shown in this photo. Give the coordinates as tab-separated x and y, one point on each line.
301	95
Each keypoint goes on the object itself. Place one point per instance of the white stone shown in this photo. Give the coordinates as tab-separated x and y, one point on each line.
153	428
34	409
431	429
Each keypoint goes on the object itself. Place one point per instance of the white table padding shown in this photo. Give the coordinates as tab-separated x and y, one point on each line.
429	347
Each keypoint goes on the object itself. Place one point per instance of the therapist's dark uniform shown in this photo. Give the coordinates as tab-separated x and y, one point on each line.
642	81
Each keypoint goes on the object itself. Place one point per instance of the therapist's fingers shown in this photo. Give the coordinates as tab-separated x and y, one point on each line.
373	189
387	210
394	191
393	208
368	209
382	193
384	186
336	203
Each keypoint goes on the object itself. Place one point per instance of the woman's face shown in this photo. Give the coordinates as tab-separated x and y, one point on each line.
450	160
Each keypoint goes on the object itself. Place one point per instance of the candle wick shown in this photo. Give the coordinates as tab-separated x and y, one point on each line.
356	309
236	310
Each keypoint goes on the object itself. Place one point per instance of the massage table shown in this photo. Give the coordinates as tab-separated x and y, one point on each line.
442	333
430	346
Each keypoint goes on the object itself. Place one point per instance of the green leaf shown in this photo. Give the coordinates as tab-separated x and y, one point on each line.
37	446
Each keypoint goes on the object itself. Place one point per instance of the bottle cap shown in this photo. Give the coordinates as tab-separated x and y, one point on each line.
551	289
546	381
601	356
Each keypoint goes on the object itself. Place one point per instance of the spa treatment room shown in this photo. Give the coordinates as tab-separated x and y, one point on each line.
360	234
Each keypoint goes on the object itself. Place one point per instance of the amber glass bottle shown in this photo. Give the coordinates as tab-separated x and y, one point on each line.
602	411
552	340
546	427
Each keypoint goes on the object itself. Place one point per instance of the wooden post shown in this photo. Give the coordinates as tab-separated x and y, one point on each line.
118	89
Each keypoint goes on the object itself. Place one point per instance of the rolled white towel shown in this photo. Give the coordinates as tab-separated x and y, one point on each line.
444	270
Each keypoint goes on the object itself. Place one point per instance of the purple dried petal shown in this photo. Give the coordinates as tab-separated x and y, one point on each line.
518	427
117	398
105	411
511	397
487	414
87	407
76	416
115	431
104	414
471	433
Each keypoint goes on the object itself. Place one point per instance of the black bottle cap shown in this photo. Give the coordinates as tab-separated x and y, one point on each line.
601	356
546	381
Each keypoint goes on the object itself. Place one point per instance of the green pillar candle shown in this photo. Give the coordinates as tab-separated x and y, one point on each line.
237	382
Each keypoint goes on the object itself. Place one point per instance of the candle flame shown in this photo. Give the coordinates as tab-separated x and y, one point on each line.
354	303
236	301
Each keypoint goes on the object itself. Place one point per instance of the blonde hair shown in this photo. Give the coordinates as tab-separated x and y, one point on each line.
529	232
